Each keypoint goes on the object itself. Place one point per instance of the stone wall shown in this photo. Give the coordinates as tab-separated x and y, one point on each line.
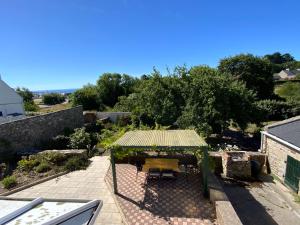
236	164
113	116
28	133
226	215
216	160
277	156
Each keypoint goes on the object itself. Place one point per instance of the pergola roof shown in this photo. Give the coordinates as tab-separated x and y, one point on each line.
161	139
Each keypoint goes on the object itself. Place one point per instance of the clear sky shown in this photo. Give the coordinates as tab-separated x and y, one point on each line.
55	44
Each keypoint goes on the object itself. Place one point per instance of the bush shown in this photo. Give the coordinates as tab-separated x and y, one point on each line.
123	121
80	139
59	142
30	107
9	182
94	127
76	163
43	167
277	110
6	152
53	98
88	97
56	158
27	164
289	91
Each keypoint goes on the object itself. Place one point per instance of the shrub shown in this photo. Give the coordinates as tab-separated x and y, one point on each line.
59	142
6	152
43	167
123	121
56	158
9	182
27	164
76	163
80	139
94	127
289	91
30	107
88	97
53	98
277	110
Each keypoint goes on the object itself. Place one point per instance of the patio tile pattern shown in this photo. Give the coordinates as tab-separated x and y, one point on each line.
83	184
161	202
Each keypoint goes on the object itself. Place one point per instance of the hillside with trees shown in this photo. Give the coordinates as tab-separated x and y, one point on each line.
239	91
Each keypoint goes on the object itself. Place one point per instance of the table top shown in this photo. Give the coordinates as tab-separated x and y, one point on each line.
161	164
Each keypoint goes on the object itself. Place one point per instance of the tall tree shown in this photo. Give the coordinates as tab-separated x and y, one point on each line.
280	61
254	71
213	99
113	85
88	97
278	58
25	93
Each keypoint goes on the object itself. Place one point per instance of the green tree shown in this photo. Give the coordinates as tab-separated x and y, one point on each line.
213	99
25	93
88	97
27	96
113	85
254	71
280	61
278	58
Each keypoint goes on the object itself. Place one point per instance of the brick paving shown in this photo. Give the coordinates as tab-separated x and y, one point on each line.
161	202
83	184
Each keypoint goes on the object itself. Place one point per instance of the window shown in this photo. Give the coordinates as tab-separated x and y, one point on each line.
1	114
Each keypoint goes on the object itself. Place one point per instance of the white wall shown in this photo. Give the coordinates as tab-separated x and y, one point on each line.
11	109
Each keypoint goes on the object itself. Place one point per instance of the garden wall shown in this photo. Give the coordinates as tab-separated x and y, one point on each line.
29	133
113	116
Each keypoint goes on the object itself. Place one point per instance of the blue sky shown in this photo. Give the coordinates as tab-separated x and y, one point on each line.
55	44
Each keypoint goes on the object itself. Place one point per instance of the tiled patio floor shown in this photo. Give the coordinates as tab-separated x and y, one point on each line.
161	202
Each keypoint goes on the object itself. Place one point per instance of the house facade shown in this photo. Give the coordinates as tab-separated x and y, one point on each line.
287	74
281	142
11	103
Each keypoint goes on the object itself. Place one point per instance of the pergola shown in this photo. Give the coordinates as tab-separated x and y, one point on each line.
160	140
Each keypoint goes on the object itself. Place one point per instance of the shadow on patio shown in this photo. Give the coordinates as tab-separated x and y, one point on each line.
177	201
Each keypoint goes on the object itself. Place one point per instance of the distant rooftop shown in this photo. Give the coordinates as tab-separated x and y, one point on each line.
161	139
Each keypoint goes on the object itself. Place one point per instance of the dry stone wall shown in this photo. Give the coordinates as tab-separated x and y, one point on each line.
28	133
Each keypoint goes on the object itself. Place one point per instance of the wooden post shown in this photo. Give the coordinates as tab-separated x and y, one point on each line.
205	171
113	168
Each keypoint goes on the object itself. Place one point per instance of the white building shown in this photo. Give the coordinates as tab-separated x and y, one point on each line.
11	103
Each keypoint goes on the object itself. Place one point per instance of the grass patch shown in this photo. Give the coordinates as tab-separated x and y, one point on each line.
43	167
55	108
9	182
76	163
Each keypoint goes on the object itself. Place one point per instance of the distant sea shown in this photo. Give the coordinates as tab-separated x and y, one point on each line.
60	91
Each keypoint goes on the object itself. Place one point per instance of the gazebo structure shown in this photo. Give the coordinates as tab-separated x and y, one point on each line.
163	141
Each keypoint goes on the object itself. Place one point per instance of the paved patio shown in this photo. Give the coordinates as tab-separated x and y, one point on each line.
161	202
83	184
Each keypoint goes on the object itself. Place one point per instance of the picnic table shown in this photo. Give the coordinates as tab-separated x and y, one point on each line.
162	164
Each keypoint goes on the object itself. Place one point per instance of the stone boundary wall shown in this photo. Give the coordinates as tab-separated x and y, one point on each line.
226	215
113	116
28	133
